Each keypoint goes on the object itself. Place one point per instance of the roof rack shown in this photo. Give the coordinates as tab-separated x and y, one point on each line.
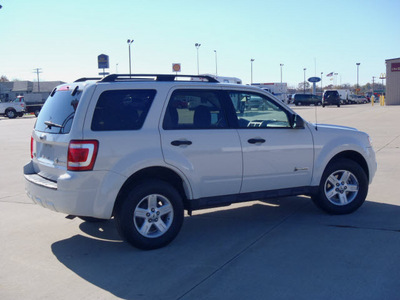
87	78
156	77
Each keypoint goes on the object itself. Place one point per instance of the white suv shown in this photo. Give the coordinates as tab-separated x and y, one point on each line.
144	148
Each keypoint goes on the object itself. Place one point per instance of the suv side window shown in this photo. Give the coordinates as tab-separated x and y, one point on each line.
195	109
258	111
122	109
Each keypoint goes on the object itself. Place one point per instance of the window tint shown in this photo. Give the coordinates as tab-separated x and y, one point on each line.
195	109
58	112
258	111
122	109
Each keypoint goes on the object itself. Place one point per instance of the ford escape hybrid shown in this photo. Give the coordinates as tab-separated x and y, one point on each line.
143	148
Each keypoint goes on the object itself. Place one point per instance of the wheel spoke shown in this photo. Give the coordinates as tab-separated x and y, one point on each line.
144	230
343	198
331	193
165	209
141	213
352	188
152	202
333	180
345	176
161	226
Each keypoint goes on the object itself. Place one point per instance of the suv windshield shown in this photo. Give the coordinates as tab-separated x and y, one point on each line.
58	112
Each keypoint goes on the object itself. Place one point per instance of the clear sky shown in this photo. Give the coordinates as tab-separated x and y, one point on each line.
64	38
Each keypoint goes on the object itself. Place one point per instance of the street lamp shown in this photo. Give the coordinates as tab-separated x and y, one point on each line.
358	87
304	83
197	45
281	72
216	65
321	81
129	46
251	62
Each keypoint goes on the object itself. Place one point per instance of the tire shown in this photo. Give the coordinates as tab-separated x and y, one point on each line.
21	114
11	113
343	187
151	215
338	105
37	112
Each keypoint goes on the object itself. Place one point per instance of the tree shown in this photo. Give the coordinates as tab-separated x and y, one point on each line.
303	86
4	78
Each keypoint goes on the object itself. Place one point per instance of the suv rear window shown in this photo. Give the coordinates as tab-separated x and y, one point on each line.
122	109
58	112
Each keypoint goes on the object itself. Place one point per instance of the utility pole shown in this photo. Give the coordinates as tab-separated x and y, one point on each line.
373	83
37	71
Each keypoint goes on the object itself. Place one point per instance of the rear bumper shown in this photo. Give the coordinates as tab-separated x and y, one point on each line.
74	193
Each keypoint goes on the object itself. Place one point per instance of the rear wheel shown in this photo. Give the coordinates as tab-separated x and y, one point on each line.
11	113
151	215
343	187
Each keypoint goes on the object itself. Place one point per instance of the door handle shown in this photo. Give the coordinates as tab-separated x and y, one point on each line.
256	141
180	143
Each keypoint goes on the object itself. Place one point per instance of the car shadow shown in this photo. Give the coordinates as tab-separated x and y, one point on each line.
209	241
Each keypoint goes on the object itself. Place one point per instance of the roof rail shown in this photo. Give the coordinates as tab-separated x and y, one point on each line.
155	77
87	78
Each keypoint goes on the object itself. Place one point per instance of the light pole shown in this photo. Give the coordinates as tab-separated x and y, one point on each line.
129	46
281	72
304	83
251	62
321	82
197	45
216	65
358	87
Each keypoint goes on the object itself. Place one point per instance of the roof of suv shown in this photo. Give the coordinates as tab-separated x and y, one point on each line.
149	77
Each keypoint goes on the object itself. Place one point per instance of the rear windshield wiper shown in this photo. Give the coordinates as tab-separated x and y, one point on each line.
51	124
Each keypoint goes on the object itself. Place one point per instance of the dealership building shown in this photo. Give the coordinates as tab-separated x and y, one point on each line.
393	81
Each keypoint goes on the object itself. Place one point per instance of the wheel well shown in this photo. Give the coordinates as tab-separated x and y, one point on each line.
161	173
354	156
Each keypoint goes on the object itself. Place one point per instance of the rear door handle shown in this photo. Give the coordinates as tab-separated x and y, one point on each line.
180	143
256	141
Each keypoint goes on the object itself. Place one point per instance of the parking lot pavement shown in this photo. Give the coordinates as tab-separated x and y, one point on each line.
277	249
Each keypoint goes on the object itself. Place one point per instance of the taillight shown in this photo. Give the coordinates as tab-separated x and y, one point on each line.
82	155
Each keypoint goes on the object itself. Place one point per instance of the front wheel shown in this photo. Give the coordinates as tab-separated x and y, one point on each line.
343	187
151	215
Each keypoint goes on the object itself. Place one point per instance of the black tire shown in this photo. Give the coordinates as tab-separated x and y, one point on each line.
11	113
337	196
151	215
338	105
37	112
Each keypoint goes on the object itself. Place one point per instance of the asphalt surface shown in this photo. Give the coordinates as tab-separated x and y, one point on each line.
279	249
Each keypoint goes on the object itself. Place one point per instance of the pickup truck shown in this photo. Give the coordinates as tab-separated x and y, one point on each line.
32	104
12	109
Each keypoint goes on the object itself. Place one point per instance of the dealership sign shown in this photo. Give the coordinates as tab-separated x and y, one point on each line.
103	61
395	67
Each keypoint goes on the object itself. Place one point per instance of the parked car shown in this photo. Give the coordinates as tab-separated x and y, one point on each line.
121	147
306	99
331	97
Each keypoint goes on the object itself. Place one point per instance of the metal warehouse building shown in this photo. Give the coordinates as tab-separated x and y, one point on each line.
393	81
